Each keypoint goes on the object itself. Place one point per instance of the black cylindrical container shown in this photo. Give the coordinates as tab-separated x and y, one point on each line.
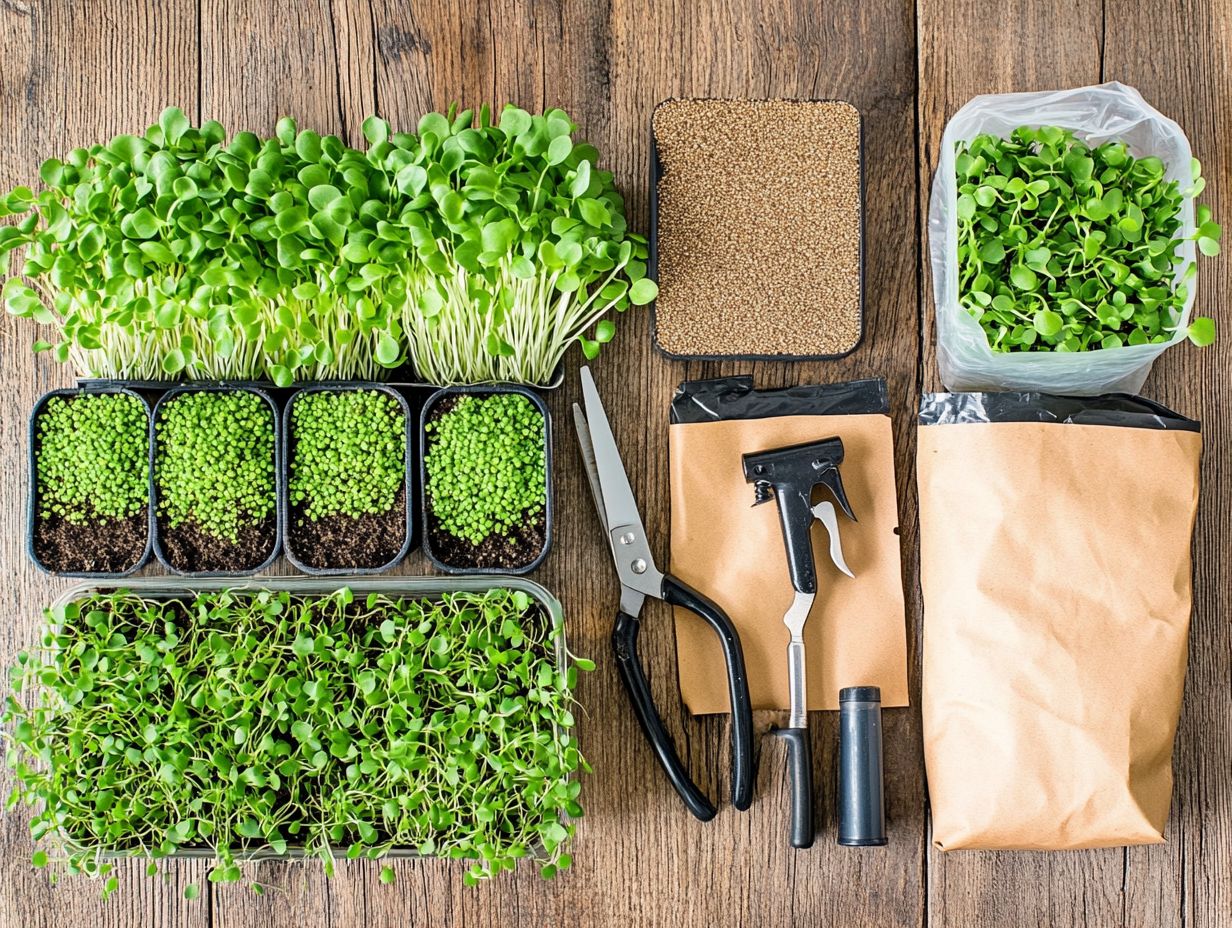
861	802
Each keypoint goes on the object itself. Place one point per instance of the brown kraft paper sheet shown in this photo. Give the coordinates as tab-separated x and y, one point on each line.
1055	565
734	553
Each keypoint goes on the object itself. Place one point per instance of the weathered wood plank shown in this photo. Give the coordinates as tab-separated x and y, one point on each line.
639	858
964	52
311	61
1178	56
72	74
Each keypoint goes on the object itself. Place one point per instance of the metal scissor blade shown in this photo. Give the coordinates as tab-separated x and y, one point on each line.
619	505
828	516
588	461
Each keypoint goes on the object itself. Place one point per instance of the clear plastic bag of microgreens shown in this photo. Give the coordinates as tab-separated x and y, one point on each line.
1103	113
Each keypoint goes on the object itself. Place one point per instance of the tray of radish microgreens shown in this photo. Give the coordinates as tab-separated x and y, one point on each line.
473	251
286	345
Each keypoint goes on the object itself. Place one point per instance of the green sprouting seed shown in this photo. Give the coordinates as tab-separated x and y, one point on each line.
220	734
348	453
486	466
1067	247
214	461
92	457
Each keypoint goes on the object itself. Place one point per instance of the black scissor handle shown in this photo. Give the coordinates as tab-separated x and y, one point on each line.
624	642
679	593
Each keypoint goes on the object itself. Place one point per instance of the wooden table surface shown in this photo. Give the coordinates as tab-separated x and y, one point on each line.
75	73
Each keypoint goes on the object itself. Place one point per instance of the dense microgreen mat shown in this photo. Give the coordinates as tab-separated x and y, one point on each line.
242	720
480	247
1067	247
215	461
486	465
92	457
348	452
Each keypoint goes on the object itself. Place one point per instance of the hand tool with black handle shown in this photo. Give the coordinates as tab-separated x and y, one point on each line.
639	578
789	476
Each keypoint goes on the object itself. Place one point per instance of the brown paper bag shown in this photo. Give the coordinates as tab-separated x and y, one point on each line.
1055	565
733	552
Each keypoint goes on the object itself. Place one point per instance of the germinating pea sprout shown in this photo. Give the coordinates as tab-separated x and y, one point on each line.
92	457
1065	247
486	466
348	453
241	720
214	463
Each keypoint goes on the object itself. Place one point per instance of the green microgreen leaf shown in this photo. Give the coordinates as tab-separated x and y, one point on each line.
1068	247
347	453
486	465
214	463
450	734
91	458
1201	331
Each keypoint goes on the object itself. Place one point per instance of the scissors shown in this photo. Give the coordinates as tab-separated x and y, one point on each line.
639	578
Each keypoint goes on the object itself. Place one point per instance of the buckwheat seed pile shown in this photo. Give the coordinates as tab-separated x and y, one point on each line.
758	227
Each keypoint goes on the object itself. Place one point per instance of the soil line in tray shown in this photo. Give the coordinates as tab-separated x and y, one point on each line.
187	547
96	546
342	541
515	550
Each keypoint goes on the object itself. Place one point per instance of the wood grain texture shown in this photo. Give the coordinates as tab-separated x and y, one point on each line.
72	73
1191	882
963	52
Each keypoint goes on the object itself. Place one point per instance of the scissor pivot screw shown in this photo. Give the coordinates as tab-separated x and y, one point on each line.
627	538
639	566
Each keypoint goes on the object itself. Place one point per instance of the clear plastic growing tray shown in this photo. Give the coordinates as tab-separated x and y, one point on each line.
394	587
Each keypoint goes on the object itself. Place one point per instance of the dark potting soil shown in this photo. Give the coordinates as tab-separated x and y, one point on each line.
516	550
105	546
186	547
344	541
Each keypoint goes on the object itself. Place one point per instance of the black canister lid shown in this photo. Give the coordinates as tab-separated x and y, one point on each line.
860	694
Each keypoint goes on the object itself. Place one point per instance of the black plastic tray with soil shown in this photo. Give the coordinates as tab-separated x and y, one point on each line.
529	545
190	552
343	544
91	550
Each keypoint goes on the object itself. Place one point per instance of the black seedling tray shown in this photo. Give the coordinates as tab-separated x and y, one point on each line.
280	477
32	490
412	397
484	390
652	259
410	471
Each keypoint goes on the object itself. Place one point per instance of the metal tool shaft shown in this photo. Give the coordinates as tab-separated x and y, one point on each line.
796	684
797	688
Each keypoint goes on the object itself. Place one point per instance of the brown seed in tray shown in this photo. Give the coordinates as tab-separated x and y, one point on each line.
758	227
